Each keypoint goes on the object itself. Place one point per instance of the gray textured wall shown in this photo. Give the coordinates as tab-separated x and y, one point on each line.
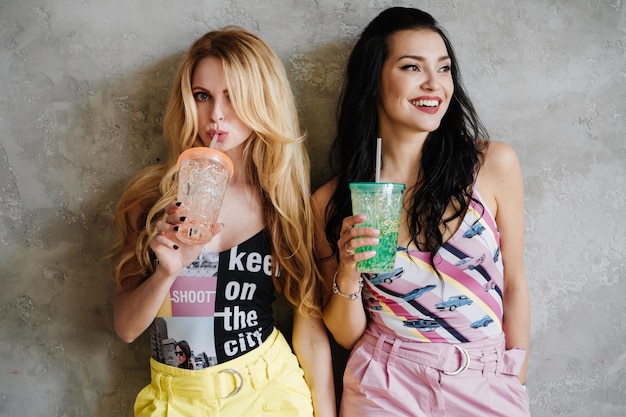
82	89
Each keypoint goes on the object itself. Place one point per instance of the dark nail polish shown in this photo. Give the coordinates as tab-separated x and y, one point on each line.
178	203
182	219
175	228
176	247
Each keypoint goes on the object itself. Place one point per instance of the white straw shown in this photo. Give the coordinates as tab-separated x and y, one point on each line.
214	140
378	152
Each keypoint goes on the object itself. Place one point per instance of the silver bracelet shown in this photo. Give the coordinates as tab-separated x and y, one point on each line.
352	296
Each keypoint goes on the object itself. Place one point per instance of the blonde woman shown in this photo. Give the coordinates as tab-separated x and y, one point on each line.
230	84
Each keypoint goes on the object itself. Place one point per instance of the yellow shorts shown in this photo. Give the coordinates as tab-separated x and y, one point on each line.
267	381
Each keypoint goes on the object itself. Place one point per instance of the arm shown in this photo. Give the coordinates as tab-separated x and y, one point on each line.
310	343
136	308
506	180
345	318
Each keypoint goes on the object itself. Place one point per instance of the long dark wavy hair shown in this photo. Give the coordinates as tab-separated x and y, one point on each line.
451	154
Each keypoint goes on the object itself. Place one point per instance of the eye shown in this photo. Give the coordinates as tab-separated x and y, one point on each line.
445	68
410	67
201	96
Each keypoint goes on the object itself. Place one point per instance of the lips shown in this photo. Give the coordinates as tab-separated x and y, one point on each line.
214	132
428	105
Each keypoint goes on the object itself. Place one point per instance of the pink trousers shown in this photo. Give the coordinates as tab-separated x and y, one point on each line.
387	376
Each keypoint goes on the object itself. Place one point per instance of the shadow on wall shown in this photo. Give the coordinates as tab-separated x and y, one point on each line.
136	106
316	76
112	129
73	145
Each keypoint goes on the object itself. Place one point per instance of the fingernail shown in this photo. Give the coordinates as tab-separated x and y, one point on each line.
176	228
176	247
182	219
178	203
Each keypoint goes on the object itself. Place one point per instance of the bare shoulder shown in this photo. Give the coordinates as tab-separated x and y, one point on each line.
499	175
322	196
500	156
500	164
323	250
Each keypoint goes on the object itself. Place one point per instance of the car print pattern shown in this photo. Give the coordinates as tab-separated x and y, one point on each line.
484	322
417	293
387	277
463	303
424	324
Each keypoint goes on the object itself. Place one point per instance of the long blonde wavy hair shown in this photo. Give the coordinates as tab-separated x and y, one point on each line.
275	155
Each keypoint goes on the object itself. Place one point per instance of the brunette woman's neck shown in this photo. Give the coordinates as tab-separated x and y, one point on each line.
401	161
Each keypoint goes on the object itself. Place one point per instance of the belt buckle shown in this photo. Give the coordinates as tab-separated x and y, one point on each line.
236	375
464	364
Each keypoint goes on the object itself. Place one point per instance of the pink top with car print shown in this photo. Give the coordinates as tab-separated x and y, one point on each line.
464	305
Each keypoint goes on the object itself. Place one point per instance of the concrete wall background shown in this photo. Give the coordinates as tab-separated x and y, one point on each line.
83	85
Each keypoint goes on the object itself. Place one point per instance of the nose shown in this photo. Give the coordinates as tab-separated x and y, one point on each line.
431	83
217	112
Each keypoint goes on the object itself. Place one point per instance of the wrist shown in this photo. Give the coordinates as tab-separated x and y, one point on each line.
162	273
352	295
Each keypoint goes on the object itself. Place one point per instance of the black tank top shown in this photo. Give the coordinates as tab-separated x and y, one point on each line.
218	308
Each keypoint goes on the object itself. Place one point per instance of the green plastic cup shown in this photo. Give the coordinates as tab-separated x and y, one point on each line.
381	203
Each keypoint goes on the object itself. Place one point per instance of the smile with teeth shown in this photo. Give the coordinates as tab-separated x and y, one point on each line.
425	103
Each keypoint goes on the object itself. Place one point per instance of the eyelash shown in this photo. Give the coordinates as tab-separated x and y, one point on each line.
201	96
413	67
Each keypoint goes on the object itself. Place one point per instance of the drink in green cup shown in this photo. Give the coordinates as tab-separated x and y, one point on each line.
381	203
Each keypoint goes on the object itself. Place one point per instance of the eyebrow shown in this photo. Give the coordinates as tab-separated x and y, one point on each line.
421	58
225	91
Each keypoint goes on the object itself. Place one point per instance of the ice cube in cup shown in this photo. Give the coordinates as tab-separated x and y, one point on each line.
381	203
203	174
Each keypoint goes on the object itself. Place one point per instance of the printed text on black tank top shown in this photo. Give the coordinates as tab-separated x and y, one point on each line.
219	307
236	319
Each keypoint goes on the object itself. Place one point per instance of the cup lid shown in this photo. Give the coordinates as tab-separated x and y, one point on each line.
371	185
203	152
